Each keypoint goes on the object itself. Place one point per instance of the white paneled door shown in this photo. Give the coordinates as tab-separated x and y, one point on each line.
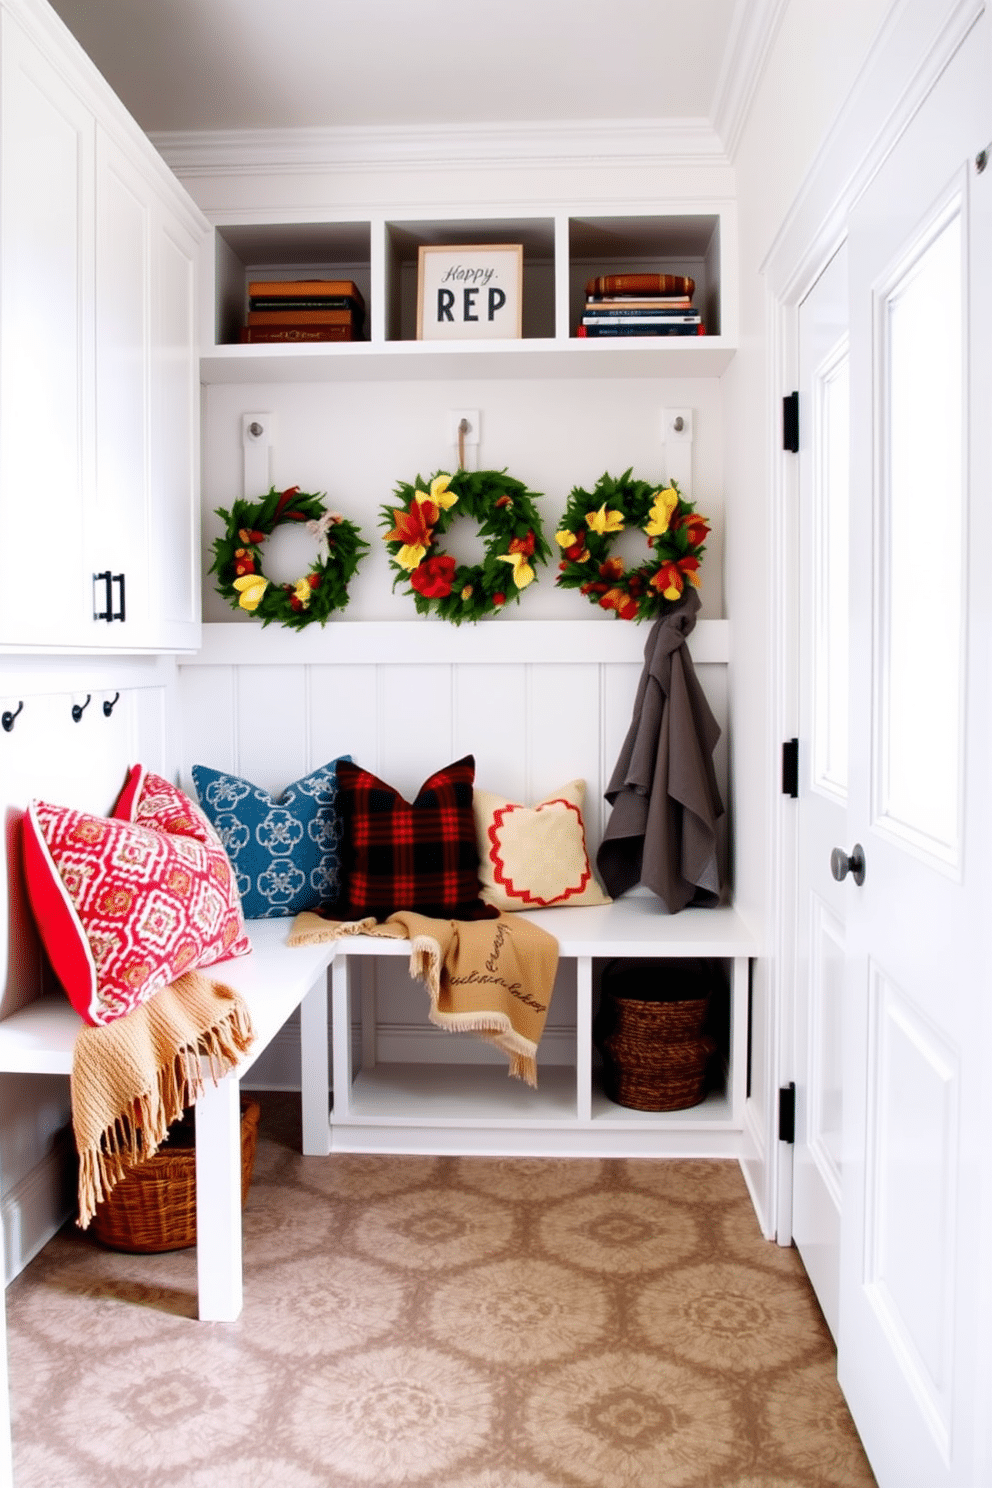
824	503
916	1023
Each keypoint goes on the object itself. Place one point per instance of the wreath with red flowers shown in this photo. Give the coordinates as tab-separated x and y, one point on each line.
316	594
675	535
508	523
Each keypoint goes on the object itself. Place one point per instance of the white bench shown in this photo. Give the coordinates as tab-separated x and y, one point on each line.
464	1108
274	980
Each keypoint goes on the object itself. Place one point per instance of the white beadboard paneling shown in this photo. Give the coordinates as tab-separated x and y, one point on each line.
619	692
538	704
208	720
564	735
415	724
272	720
343	715
491	722
715	684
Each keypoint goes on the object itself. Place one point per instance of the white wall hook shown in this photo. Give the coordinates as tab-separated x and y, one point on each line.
676	426
464	433
256	437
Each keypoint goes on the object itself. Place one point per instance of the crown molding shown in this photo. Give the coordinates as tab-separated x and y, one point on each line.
532	145
753	29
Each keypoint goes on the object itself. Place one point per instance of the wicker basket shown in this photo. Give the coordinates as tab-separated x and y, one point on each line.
154	1207
656	1053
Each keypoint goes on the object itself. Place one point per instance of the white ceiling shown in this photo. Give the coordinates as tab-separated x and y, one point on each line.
219	65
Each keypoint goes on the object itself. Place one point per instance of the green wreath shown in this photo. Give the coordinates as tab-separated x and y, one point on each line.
317	593
508	522
675	537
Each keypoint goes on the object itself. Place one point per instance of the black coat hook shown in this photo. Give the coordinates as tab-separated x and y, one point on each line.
78	709
109	704
8	718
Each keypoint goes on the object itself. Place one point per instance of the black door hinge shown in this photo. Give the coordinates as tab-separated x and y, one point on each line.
790	423
787	1112
790	768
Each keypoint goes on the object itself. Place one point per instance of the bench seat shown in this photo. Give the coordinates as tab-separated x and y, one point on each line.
274	981
455	1108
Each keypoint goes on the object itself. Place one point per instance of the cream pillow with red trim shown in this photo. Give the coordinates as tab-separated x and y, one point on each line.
532	857
126	904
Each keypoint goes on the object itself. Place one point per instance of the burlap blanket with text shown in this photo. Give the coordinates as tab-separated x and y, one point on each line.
489	977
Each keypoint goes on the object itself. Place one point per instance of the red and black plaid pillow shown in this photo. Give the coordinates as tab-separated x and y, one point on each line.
418	856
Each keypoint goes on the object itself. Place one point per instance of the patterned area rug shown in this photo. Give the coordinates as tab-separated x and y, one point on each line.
443	1322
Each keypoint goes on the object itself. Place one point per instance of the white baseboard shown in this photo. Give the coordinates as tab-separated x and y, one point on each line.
36	1208
753	1162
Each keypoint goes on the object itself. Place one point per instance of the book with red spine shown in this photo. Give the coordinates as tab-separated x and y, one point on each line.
641	284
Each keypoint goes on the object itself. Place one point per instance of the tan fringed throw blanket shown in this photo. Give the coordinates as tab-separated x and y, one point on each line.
134	1077
490	977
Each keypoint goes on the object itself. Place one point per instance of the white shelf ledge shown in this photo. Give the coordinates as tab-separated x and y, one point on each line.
502	640
422	361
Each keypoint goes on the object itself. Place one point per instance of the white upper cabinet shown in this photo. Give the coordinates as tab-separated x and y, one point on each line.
99	381
47	152
118	531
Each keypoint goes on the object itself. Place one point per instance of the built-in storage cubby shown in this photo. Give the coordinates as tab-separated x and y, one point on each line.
298	250
383	1104
636	245
561	252
404	240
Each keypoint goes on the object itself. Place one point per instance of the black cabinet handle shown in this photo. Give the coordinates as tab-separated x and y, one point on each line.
106	612
108	580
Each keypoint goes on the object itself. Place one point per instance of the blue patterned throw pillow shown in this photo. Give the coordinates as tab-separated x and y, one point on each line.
286	851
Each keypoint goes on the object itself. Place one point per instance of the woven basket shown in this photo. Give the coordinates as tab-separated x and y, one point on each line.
153	1208
656	1054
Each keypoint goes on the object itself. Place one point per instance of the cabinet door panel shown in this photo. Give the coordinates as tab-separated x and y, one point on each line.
174	575
119	525
46	261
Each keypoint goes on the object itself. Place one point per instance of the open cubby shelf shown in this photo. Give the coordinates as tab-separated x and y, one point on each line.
560	253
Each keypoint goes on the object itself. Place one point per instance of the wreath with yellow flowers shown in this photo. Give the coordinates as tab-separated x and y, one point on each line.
317	593
675	537
508	523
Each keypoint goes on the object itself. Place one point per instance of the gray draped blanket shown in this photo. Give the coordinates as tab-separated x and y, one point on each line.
665	798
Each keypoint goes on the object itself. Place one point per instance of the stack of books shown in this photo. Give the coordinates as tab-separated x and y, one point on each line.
304	310
640	305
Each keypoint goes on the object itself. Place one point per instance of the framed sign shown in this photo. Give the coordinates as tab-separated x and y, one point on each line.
470	291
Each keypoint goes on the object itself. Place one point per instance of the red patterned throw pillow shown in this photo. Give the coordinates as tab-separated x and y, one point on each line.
402	855
126	904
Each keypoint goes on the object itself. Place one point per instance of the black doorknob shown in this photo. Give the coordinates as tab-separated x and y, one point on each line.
841	865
